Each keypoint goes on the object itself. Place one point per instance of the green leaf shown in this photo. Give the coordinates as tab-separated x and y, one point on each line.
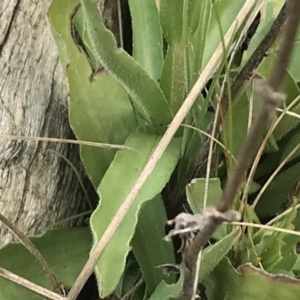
65	250
237	125
78	21
267	252
171	17
166	77
266	21
271	11
147	37
226	11
254	187
198	11
195	193
274	250
271	160
277	192
113	189
288	122
291	144
129	278
108	118
146	95
148	245
289	256
140	293
249	283
296	267
294	59
199	38
166	291
172	14
99	108
290	91
173	81
213	254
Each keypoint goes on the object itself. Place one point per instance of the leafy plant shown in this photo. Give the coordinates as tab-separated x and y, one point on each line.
182	48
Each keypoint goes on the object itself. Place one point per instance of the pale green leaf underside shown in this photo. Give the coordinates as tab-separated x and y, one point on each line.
99	107
113	189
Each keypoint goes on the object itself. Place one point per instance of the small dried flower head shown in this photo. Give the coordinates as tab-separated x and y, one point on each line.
186	225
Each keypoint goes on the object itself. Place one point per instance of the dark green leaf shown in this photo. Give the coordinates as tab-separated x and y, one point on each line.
147	37
148	245
277	192
249	283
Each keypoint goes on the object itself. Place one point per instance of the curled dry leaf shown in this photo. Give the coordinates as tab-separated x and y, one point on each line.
168	268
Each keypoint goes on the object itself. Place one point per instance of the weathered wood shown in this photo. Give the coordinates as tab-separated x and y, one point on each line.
37	187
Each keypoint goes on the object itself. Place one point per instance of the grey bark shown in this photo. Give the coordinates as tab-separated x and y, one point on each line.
37	187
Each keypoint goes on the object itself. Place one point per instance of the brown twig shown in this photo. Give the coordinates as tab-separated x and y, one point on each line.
30	285
120	24
271	98
35	252
252	63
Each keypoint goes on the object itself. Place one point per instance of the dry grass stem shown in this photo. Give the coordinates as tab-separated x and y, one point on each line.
267	227
211	137
35	252
65	141
30	285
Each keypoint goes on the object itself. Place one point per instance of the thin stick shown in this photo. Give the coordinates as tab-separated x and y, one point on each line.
211	137
65	141
133	289
30	285
35	252
156	155
277	218
289	113
267	227
120	24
